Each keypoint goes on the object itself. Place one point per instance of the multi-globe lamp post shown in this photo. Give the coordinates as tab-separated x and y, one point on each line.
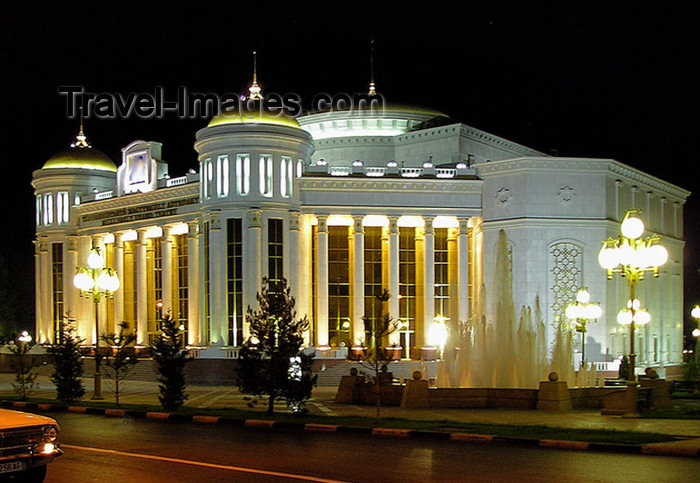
582	311
695	313
632	256
94	281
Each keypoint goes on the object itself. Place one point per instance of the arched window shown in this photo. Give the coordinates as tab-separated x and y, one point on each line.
300	168
208	176
48	209
567	275
62	207
38	210
283	177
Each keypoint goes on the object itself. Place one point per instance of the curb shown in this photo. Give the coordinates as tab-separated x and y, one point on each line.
265	424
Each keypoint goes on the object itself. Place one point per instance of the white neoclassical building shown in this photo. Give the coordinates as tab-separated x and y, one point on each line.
345	204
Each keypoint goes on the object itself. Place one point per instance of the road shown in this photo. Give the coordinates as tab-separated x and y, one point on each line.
104	449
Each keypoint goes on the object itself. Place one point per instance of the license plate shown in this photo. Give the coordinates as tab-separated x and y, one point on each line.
10	467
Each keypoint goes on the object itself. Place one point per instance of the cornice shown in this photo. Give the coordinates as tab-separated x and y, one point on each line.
391	185
162	194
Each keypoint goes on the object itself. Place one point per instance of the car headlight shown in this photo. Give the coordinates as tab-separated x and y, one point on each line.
50	434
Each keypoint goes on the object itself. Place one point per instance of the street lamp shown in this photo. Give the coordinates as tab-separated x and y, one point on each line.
94	281
695	313
581	312
632	256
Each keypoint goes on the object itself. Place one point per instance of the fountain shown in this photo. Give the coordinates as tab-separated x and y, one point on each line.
503	354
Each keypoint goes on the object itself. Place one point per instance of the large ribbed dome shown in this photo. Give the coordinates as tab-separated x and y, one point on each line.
253	117
82	158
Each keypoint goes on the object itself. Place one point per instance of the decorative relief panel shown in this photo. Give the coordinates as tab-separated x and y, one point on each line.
504	197
567	275
566	195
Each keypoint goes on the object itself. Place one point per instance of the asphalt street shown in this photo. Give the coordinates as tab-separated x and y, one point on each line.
99	448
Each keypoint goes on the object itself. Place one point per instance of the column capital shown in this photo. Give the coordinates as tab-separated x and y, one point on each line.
254	218
72	243
322	223
357	226
393	224
463	226
166	232
214	219
141	235
192	228
294	220
428	229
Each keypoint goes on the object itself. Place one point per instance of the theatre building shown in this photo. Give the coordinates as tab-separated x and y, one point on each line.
344	204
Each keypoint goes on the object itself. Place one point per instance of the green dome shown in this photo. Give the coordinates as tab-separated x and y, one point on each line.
82	158
253	117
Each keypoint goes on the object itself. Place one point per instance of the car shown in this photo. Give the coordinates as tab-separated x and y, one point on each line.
28	442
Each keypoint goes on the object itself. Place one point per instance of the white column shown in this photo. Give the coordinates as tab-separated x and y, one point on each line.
166	255
38	303
291	258
252	259
217	299
141	289
322	282
462	298
358	279
70	293
304	280
428	278
46	282
393	273
193	323
119	268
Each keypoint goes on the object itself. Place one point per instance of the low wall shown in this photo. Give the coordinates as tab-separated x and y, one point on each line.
590	397
440	397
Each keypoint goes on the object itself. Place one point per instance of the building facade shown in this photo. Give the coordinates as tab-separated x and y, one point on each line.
344	205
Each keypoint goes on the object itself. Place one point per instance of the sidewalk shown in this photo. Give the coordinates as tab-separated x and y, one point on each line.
214	397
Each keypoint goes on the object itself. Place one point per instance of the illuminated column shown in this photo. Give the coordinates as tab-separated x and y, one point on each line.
252	256
462	298
166	254
70	293
322	282
393	272
119	268
291	257
194	331
453	281
141	288
477	267
304	302
428	277
358	279
217	300
46	293
38	302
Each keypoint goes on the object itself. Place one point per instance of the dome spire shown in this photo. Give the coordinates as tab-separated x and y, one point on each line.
81	139
254	88
372	89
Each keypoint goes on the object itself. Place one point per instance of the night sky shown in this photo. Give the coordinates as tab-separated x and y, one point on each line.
617	81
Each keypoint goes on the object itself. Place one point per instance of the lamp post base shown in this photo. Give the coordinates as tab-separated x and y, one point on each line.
97	392
632	410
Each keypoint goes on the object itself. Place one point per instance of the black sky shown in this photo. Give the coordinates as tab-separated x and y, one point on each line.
590	79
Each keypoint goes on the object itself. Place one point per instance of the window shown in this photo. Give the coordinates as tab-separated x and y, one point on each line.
38	210
48	209
243	174
290	178
283	178
208	177
373	277
57	288
300	168
182	290
207	284
407	287
62	207
275	253
266	175
338	285
222	176
234	280
442	281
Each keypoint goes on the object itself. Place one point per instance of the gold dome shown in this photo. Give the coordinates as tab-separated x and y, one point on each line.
82	158
254	117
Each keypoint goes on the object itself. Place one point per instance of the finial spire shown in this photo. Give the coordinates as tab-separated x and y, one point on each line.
254	88
372	89
81	139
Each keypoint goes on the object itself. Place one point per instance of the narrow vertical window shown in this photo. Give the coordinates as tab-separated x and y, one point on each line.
234	255
57	288
38	210
283	178
48	209
62	207
208	176
300	168
290	178
222	176
265	172
243	174
275	253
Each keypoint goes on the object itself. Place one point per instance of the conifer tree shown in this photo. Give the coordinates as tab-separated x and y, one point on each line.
170	356
121	359
68	363
270	362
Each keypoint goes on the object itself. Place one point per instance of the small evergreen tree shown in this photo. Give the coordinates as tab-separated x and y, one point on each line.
270	361
67	362
23	366
121	359
170	356
624	371
377	356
